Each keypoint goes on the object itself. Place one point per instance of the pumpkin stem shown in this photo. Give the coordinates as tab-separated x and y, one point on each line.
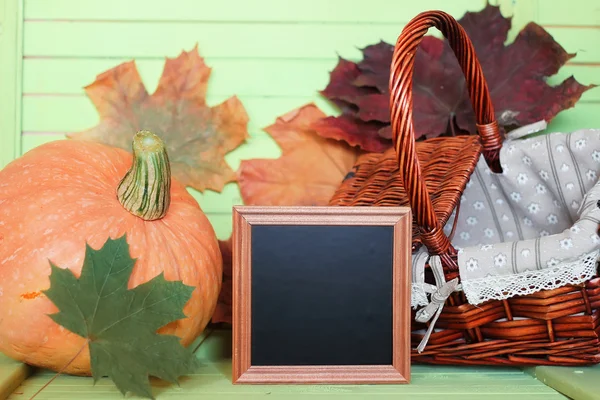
145	191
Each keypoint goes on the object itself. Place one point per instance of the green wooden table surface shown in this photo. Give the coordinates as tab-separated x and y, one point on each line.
213	381
576	382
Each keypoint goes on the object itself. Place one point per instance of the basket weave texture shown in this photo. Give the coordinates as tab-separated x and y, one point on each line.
551	327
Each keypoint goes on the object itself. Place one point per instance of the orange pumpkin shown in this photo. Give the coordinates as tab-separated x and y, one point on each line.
59	196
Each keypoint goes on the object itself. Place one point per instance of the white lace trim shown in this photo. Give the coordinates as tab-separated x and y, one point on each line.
503	287
418	296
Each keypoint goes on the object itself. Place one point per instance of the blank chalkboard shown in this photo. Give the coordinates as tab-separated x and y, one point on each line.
321	294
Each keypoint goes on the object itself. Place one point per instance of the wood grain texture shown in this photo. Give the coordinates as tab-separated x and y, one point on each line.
568	13
577	383
328	11
11	59
276	77
63	114
402	293
213	381
12	374
242	310
285	56
270	77
297	41
244	218
332	374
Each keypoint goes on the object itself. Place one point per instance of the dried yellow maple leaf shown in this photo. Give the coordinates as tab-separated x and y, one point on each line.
197	136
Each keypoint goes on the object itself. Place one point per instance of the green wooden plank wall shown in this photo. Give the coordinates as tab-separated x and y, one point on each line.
274	54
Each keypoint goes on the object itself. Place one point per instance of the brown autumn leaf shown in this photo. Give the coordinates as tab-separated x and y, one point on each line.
309	171
197	135
223	311
516	74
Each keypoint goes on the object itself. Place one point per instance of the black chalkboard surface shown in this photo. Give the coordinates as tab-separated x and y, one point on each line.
321	294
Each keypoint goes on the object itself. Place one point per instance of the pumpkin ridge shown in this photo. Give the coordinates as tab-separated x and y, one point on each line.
58	197
68	160
197	240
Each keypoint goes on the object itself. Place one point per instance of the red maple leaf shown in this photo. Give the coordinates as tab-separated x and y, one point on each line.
516	76
197	136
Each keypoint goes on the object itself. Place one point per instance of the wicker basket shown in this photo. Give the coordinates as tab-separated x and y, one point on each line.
552	327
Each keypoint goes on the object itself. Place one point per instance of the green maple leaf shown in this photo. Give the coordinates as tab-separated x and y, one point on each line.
121	324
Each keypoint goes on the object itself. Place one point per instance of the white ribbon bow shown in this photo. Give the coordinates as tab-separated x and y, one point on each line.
439	294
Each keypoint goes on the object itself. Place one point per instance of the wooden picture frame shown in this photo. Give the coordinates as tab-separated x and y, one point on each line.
247	217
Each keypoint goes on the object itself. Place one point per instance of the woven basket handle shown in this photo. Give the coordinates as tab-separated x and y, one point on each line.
401	104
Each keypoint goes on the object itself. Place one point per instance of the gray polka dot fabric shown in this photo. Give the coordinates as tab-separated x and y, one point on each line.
535	225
